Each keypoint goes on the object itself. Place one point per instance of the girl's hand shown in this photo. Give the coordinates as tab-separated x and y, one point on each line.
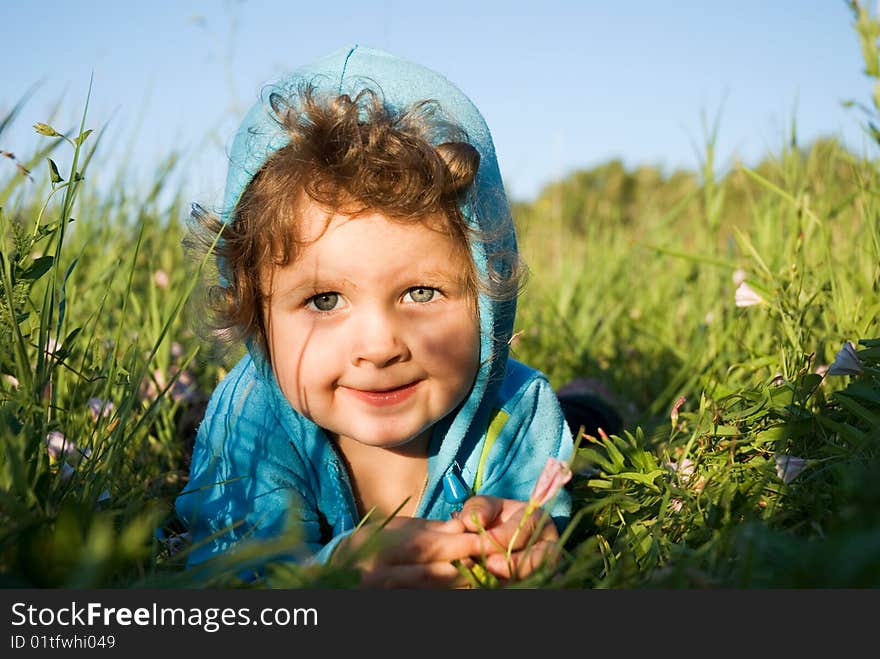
409	552
530	542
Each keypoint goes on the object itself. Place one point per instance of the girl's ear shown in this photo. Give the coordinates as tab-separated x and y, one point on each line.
462	161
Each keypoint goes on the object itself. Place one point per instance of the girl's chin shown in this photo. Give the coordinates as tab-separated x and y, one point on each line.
392	441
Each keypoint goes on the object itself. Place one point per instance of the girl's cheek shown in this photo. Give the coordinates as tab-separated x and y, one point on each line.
456	342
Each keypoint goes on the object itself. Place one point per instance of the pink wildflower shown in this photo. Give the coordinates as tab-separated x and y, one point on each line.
59	446
150	386
98	408
161	279
673	415
746	296
184	388
684	469
554	475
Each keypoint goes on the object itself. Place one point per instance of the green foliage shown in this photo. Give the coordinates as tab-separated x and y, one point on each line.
750	450
96	396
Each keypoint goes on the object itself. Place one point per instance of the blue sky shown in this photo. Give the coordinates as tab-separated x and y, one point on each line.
562	85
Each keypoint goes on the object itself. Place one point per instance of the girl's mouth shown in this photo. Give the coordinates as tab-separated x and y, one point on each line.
385	397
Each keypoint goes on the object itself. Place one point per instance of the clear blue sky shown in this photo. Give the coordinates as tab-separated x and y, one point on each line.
563	85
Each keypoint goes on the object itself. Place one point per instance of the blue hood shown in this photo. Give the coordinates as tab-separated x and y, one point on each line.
401	84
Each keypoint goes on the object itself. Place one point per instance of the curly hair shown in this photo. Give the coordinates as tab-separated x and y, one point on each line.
348	155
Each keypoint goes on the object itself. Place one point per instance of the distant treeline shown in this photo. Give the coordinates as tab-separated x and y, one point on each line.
610	195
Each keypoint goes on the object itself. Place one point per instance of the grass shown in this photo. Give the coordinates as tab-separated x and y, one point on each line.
764	476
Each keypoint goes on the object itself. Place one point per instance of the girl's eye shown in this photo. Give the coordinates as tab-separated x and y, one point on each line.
420	294
324	301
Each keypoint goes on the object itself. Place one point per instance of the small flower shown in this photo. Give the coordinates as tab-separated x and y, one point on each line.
11	380
846	361
683	468
52	346
150	386
745	296
684	474
59	446
789	467
739	276
709	318
99	408
184	388
104	496
554	475
161	279
176	350
673	415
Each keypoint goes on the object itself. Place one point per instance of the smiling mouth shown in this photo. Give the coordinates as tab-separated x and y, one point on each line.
384	397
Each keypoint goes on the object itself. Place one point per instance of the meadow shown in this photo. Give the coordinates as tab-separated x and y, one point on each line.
732	318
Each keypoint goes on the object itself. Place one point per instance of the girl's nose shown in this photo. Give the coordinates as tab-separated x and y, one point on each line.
378	340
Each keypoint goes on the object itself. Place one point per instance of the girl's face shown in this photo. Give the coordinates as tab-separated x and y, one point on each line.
372	331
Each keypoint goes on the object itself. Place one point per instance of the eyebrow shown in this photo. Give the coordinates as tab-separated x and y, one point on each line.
310	285
441	276
331	282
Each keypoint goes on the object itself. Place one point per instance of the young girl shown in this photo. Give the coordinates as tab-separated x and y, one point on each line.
368	259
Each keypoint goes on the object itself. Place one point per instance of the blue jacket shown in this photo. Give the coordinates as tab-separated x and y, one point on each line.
259	468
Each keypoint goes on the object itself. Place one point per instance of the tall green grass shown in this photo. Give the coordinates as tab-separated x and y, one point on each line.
745	461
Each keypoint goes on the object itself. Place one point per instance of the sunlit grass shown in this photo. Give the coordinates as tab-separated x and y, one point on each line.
735	293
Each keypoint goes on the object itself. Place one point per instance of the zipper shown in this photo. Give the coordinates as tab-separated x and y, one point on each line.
455	491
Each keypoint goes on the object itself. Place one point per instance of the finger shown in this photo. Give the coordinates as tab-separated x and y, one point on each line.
446	526
544	553
431	546
408	540
421	575
435	525
517	532
480	511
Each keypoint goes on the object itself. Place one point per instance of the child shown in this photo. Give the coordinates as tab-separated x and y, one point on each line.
368	259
